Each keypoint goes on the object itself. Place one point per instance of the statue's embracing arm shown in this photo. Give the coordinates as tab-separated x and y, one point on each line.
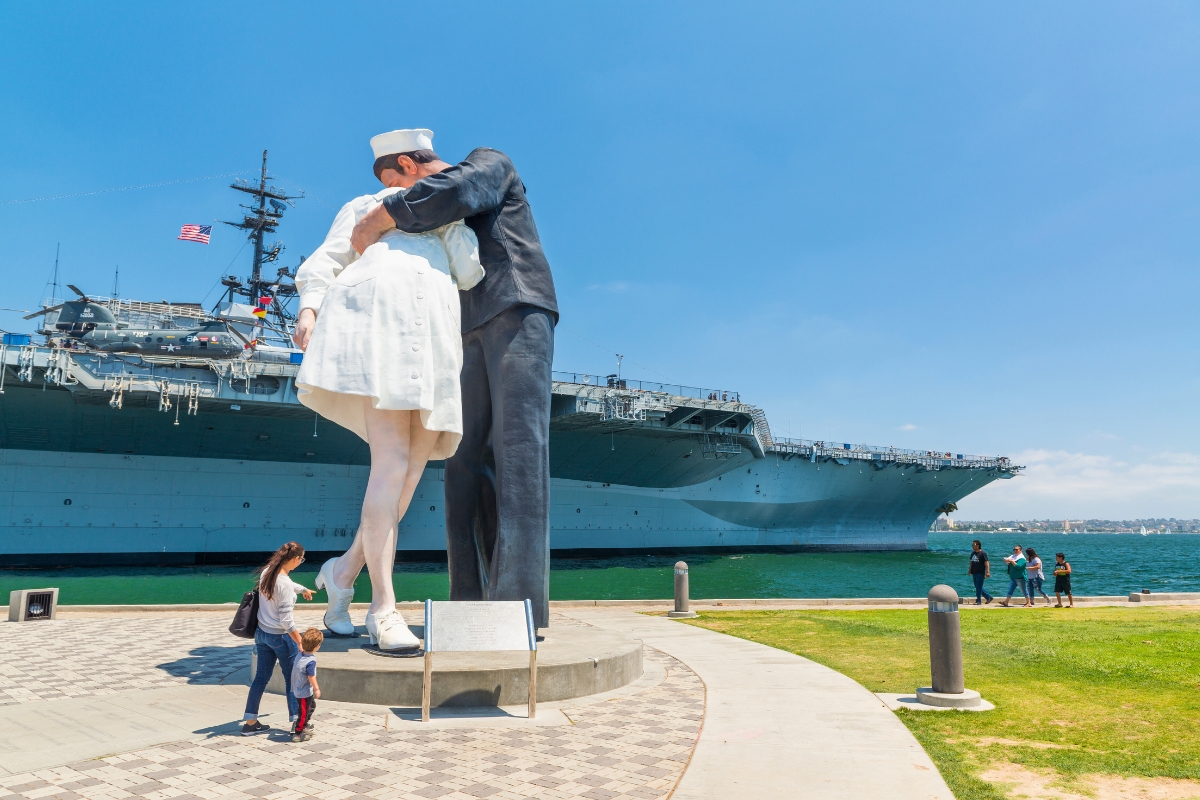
477	185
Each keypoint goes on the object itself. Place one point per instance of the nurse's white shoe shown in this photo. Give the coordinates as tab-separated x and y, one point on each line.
390	632
337	616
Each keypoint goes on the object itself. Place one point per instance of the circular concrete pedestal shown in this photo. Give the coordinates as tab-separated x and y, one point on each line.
968	699
573	661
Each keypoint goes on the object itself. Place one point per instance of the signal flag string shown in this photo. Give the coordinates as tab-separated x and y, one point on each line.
123	188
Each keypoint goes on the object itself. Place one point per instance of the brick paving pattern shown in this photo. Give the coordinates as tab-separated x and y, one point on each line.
634	746
139	653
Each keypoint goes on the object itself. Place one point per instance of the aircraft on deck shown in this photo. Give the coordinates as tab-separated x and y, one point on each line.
92	325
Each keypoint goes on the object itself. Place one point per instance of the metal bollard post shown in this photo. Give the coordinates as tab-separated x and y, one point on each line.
681	593
945	641
945	653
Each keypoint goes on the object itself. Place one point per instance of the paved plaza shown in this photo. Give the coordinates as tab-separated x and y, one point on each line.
148	705
634	745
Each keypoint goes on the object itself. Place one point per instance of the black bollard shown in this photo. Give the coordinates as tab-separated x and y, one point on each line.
945	641
681	592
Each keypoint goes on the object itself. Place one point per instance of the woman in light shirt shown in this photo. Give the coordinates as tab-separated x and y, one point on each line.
276	638
1035	579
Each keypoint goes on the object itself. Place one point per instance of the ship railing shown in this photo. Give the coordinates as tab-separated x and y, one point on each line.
675	389
162	310
123	309
864	452
245	369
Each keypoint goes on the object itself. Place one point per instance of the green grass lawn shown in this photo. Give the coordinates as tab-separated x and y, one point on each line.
1078	691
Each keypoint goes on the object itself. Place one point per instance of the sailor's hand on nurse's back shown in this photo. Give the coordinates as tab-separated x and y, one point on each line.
304	328
370	228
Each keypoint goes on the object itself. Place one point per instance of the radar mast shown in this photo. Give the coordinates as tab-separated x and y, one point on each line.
266	207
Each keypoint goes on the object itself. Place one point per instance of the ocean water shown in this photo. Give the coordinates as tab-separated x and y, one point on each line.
1104	564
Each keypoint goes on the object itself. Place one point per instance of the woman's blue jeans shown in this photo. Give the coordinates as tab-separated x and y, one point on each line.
979	590
1013	583
1035	585
272	647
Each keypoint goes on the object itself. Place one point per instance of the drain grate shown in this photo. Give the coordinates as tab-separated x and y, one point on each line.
38	605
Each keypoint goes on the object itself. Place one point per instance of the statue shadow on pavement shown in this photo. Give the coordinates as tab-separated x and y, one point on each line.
209	666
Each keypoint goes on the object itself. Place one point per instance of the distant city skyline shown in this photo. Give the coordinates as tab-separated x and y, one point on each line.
934	226
1152	525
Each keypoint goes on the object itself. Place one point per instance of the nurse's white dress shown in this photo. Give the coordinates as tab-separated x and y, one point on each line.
388	324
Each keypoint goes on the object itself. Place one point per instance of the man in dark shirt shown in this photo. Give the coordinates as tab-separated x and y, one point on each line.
498	483
979	569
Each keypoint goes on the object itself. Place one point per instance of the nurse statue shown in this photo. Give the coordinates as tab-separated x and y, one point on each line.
383	353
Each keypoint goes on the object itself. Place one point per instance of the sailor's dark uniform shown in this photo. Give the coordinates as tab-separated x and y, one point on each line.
498	483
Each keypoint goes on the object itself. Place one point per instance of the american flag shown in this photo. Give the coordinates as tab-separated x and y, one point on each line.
195	233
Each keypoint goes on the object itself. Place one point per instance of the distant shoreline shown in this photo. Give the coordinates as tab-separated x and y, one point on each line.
1156	525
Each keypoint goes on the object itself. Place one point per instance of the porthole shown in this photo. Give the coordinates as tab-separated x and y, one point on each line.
160	339
577	511
67	502
245	505
433	508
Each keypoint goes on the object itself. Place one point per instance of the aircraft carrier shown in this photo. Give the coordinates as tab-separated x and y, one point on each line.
152	433
117	460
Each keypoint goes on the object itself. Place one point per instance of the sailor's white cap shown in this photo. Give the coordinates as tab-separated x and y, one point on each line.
408	140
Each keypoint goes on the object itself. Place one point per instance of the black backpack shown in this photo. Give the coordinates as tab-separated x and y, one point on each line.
245	619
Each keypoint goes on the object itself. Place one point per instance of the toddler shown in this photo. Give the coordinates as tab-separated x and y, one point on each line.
304	682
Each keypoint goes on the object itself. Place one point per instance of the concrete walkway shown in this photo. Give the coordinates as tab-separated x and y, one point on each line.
49	733
780	726
710	604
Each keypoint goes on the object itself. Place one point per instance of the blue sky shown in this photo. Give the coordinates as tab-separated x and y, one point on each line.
931	225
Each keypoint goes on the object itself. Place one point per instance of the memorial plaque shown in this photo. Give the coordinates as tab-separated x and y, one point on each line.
466	626
478	626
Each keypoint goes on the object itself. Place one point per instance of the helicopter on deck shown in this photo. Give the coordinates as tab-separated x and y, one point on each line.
93	325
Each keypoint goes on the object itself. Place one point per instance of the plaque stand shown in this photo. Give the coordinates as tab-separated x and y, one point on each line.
533	675
488	626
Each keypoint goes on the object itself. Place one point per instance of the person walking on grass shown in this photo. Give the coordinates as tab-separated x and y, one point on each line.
1016	576
1033	566
1062	580
979	569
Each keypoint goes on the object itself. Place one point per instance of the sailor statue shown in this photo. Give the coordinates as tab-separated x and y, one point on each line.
498	482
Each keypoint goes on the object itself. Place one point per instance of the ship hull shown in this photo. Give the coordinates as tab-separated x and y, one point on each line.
59	508
85	479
